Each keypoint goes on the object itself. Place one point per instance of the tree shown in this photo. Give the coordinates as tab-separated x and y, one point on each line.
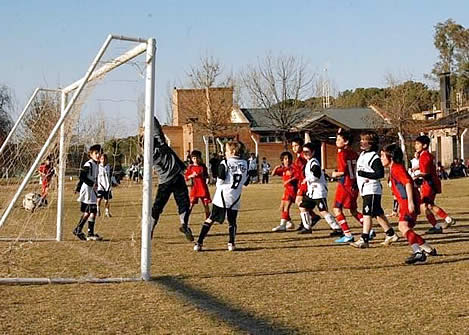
279	84
6	106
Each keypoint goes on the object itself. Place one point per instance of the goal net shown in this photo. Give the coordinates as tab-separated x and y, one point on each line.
43	155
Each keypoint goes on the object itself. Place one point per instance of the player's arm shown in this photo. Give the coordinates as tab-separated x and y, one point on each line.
378	171
340	166
409	189
84	176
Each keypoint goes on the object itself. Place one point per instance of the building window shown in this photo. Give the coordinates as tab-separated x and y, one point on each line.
271	139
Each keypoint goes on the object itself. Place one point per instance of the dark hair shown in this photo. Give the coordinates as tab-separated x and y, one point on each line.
298	140
394	153
372	138
96	147
286	153
196	153
424	139
314	146
346	135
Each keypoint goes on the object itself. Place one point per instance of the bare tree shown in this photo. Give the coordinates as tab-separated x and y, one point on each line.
6	106
279	84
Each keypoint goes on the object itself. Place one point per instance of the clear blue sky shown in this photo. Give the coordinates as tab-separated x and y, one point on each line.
52	42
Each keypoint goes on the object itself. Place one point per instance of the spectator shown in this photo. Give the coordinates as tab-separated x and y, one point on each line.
440	170
252	168
265	171
456	169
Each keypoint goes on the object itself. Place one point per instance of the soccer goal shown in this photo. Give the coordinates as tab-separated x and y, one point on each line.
40	161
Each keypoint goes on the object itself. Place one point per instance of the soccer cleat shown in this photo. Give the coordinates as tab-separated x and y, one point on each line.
290	225
314	220
448	224
300	227
280	228
231	247
197	247
417	258
80	235
305	231
336	232
360	244
345	239
431	252
94	237
388	240
187	232
434	230
371	235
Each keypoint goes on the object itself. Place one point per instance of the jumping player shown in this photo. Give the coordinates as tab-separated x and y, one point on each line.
198	173
291	187
87	186
347	190
46	172
430	187
232	175
170	169
369	172
403	188
316	192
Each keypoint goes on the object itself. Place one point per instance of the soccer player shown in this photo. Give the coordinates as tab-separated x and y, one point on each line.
347	190
403	188
430	187
291	187
252	168
265	166
316	190
369	172
170	169
87	186
197	172
232	175
104	185
46	172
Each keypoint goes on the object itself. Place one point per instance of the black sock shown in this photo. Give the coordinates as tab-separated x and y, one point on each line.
91	227
366	237
203	232
232	231
390	232
80	224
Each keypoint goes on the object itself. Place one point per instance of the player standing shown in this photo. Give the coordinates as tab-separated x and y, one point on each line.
198	173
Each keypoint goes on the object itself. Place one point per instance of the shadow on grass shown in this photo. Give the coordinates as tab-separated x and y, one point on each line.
236	317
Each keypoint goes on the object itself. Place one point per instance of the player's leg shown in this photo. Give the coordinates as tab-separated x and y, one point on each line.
363	242
217	215
98	203
161	199
287	206
181	196
78	231
107	205
92	236
330	219
441	213
232	228
283	217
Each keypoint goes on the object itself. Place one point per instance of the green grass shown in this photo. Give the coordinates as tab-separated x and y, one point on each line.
275	283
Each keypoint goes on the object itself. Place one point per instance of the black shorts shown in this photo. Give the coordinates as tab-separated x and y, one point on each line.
218	214
309	203
106	195
252	173
372	205
88	208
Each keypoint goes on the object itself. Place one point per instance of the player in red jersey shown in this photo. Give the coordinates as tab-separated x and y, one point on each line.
347	190
291	187
407	195
430	187
46	171
198	173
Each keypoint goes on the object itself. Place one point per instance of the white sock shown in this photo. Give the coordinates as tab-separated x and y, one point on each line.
438	226
448	219
330	219
306	219
425	247
415	247
283	222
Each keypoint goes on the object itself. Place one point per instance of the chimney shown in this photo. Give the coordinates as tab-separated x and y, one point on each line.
445	93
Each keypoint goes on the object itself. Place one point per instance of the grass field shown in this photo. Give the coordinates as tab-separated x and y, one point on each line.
274	283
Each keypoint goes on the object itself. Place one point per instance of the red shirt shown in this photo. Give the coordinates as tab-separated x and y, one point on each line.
299	166
287	173
46	172
399	178
199	186
347	163
427	165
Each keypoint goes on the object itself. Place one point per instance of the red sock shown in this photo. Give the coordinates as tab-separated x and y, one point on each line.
359	217
343	223
413	237
431	219
441	213
285	215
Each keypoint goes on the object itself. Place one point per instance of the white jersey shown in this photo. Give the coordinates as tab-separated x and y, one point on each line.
414	167
265	168
317	187
104	178
252	164
228	192
87	193
365	185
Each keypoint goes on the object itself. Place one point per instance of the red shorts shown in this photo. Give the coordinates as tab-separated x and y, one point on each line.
345	198
404	214
427	194
195	200
301	190
289	194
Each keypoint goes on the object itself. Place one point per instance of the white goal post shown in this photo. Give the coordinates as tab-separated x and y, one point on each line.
144	45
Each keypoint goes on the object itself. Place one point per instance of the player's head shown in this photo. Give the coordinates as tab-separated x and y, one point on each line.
286	158
264	159
392	154
369	140
310	149
94	151
196	157
103	158
234	148
422	143
297	144
344	138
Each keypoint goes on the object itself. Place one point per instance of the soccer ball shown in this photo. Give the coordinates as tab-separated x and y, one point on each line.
31	201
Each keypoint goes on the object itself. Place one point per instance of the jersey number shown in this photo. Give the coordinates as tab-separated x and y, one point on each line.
352	168
236	180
